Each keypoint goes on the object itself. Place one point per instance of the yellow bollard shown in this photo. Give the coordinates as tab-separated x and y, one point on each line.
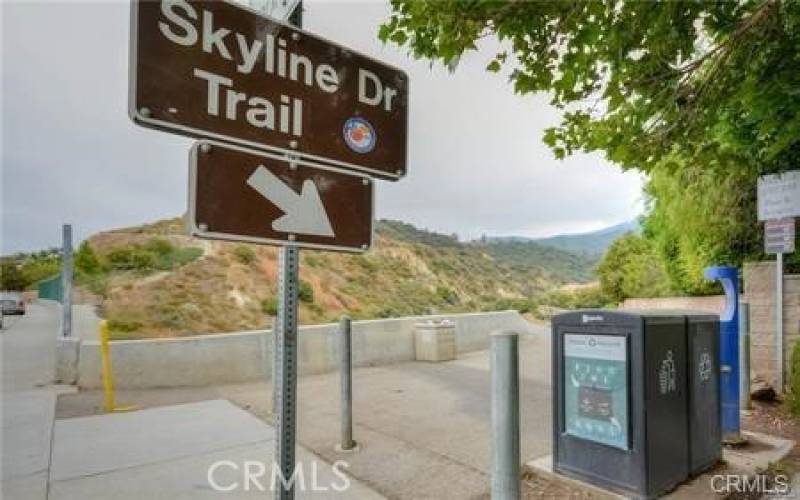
108	378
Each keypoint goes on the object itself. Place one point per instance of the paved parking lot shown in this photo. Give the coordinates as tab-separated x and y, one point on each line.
422	428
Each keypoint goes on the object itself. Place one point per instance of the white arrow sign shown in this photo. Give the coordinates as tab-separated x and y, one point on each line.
304	212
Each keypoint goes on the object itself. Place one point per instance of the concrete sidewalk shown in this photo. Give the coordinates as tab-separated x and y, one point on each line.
27	346
169	452
423	428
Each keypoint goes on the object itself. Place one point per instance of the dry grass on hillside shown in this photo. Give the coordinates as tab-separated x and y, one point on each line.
232	286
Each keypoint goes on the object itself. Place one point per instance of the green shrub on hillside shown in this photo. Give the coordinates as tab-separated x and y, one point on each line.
131	258
120	325
159	246
178	257
86	261
447	295
270	306
155	254
95	283
244	254
305	292
632	268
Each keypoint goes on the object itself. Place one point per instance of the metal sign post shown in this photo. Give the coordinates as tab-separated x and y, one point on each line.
779	236
779	322
778	205
66	281
286	361
285	358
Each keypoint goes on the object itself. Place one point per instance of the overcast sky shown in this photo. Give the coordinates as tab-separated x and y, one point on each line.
70	153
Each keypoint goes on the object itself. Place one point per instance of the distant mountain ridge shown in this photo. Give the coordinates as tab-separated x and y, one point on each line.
591	244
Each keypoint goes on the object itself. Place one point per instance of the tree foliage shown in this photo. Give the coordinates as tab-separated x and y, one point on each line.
86	261
630	268
11	277
697	217
22	271
702	79
702	96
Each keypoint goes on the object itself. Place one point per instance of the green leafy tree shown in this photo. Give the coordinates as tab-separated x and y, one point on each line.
700	95
86	261
11	277
631	268
710	80
697	217
39	266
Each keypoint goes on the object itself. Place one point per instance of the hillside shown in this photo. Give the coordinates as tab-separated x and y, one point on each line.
591	244
155	281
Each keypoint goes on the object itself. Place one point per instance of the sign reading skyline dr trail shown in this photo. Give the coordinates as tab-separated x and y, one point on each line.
236	194
222	71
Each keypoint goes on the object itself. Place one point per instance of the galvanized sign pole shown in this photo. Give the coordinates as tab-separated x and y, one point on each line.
778	205
286	361
66	281
285	358
779	236
779	320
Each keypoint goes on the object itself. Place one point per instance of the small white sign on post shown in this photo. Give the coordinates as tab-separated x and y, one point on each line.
779	236
779	195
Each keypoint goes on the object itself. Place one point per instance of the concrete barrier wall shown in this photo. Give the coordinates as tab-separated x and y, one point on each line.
761	293
711	303
246	356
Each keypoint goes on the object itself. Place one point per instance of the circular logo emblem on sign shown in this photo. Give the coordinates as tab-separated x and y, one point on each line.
359	135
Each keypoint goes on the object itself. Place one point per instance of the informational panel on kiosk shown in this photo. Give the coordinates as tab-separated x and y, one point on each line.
596	388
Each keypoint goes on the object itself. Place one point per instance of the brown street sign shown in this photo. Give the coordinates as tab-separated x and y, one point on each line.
241	195
219	70
779	236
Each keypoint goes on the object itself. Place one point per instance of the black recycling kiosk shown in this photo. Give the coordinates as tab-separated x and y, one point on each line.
623	411
705	429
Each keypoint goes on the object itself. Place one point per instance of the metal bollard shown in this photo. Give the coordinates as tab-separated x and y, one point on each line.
744	356
105	358
109	401
346	380
505	416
